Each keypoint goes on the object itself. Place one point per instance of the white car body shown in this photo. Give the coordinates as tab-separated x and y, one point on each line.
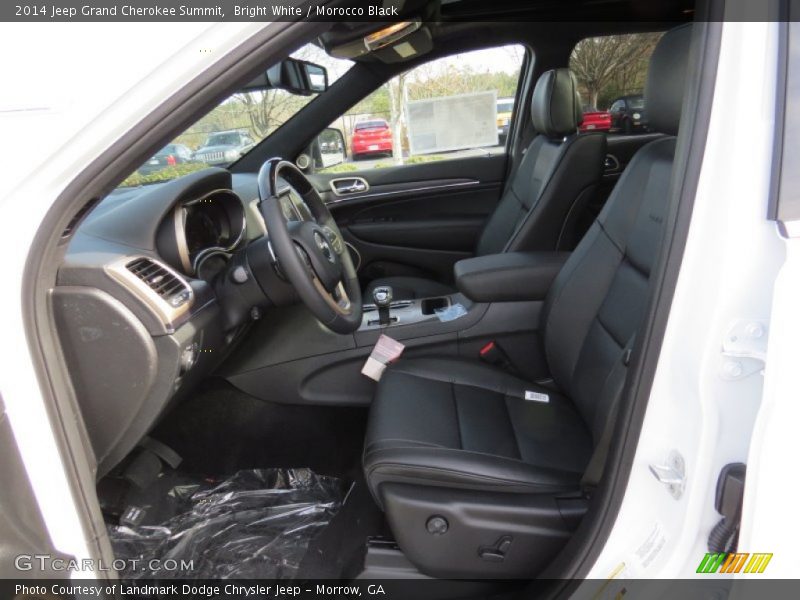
737	269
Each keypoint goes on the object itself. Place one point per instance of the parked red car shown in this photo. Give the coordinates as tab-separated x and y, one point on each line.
598	120
371	137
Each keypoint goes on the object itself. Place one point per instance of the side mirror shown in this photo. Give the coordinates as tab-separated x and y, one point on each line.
292	75
328	149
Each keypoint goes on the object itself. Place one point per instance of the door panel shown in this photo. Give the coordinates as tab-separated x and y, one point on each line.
416	219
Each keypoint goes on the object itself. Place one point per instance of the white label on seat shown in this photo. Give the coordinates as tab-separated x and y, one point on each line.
536	396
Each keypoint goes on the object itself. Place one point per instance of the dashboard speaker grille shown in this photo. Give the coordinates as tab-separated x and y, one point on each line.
161	280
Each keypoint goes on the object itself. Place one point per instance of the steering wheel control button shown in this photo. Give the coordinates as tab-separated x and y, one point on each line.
437	525
334	240
324	246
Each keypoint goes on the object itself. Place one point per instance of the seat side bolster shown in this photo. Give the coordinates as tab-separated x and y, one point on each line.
443	467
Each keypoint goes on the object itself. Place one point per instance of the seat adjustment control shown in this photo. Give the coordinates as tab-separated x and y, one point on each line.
496	552
437	525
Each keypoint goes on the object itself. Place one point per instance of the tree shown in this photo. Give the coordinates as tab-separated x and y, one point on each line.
261	109
397	91
597	62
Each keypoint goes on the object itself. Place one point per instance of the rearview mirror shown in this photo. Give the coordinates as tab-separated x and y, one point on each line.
294	76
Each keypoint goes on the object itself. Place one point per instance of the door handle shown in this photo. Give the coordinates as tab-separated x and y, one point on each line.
348	185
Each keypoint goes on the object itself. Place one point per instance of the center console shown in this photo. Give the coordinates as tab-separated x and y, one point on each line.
290	357
402	312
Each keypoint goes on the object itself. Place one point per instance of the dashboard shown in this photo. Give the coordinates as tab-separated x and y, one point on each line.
137	304
150	297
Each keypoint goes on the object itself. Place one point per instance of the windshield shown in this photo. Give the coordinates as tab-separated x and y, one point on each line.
372	125
506	106
234	126
637	102
222	139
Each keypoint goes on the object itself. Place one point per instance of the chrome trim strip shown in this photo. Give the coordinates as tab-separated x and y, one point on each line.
357	253
204	255
408	191
179	222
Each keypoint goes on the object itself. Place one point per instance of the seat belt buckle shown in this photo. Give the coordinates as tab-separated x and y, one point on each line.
493	354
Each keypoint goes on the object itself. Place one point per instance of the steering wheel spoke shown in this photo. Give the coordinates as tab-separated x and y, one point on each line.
311	251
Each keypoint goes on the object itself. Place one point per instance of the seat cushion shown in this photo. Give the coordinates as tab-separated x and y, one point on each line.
464	424
409	288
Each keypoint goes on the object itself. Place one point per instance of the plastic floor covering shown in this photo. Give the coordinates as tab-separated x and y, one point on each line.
255	524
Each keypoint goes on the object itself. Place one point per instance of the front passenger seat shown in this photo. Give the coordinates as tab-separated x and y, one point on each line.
479	471
554	181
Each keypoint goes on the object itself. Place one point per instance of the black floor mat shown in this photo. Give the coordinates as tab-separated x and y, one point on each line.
256	524
221	430
337	551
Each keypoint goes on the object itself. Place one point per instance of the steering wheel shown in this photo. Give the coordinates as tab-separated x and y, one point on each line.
310	251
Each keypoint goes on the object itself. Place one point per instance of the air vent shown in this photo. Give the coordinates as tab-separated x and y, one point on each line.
161	280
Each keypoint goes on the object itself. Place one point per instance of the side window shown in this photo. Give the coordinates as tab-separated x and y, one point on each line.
611	73
452	107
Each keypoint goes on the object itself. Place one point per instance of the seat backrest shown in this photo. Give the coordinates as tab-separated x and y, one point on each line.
557	175
598	299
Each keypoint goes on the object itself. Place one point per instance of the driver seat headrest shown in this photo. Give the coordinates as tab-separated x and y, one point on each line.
555	107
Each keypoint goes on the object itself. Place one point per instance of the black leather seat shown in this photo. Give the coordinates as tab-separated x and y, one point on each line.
457	439
555	179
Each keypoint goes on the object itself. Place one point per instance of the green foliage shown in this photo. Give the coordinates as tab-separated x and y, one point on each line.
136	178
423	158
611	66
340	168
462	80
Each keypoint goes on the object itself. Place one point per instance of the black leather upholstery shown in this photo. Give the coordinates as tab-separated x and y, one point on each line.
665	80
460	424
554	181
453	423
508	277
555	107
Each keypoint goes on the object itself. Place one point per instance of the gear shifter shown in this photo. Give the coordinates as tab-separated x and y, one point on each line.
382	296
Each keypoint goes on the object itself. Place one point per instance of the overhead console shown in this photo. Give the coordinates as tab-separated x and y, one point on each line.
407	36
